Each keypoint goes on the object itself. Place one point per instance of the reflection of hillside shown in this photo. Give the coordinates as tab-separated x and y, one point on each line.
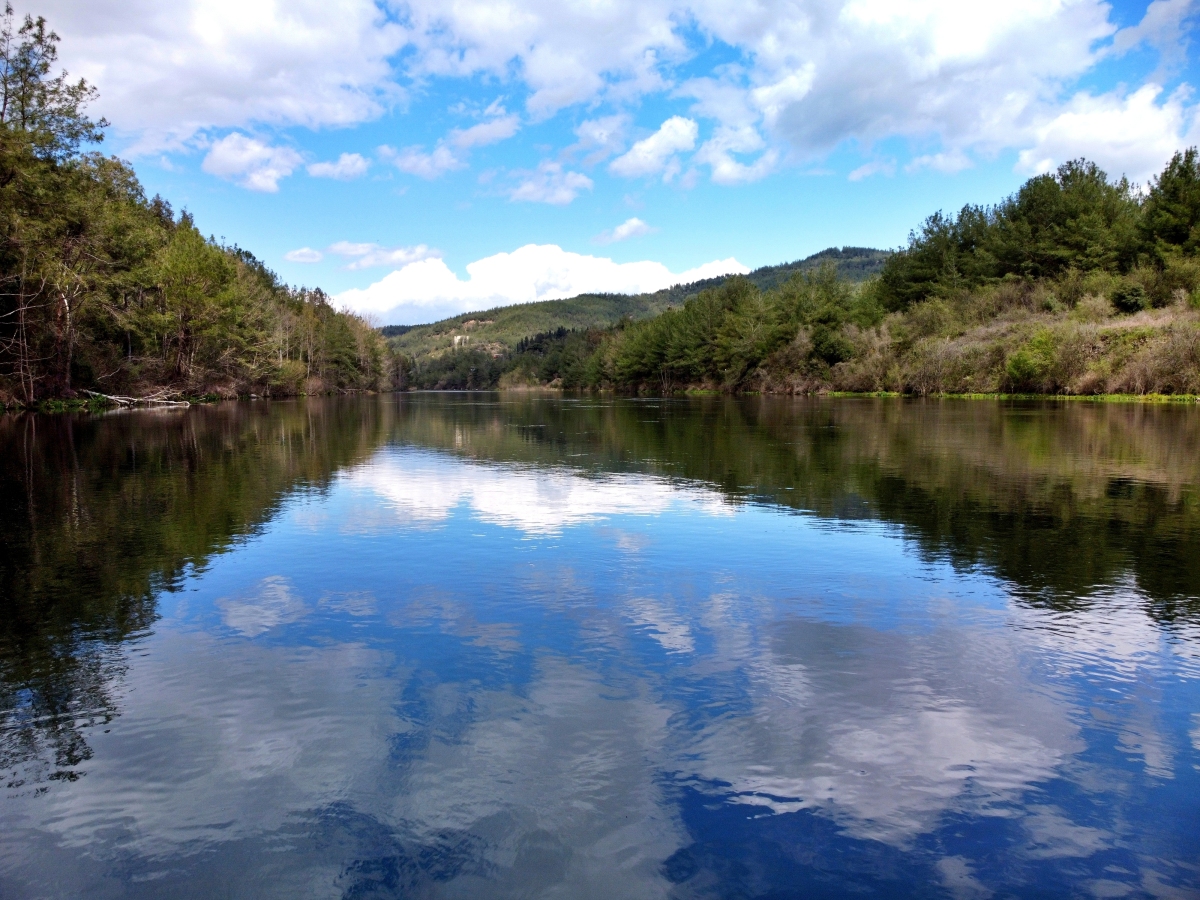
1058	499
100	514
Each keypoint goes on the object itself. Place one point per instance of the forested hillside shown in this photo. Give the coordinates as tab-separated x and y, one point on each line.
1075	284
496	333
108	291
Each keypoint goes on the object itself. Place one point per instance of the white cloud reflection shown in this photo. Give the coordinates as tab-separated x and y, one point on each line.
879	730
425	489
273	602
773	700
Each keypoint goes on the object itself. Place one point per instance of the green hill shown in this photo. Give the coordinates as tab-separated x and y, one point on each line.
501	329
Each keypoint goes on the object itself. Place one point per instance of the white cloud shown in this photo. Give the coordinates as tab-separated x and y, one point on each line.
601	138
550	184
347	167
485	133
167	71
806	75
718	152
772	99
949	162
442	159
415	161
564	53
304	255
250	163
427	290
655	154
1164	27
724	99
630	228
875	167
366	256
1133	135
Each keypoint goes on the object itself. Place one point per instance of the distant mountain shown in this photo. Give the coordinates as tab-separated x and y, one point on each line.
499	330
853	263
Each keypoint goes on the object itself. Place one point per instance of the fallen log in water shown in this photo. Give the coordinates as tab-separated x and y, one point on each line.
158	399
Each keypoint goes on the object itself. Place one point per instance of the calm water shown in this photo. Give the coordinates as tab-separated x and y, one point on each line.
506	646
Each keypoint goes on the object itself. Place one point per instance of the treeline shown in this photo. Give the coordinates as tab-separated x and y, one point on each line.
1075	284
1066	229
104	290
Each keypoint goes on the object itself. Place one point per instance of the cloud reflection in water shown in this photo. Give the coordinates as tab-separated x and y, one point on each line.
476	734
426	488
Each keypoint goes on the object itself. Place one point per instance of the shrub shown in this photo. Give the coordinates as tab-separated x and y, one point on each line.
1028	367
1129	298
1092	308
1024	369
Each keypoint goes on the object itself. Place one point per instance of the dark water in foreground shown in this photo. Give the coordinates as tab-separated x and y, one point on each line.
496	646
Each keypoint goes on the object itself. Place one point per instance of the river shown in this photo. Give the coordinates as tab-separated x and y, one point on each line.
511	645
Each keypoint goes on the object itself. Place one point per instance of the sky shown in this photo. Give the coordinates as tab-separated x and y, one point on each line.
420	159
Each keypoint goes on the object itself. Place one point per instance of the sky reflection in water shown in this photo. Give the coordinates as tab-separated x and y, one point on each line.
450	672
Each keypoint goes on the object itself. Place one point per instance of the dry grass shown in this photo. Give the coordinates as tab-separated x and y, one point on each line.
1017	338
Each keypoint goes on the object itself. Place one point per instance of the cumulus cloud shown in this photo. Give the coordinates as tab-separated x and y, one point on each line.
427	290
167	71
718	152
250	163
601	138
875	167
1164	27
347	167
1133	135
367	256
451	153
656	154
550	183
304	255
949	162
630	228
564	53
806	76
415	161
772	99
489	132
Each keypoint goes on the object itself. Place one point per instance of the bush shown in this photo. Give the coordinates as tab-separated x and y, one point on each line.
1092	308
1130	298
1024	369
1027	368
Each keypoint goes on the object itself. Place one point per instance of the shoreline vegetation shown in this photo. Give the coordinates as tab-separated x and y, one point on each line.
104	404
103	290
1076	285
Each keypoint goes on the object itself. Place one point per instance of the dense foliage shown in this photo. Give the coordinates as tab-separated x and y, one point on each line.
1074	284
103	289
498	331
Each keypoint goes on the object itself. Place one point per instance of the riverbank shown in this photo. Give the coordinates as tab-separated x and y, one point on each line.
101	403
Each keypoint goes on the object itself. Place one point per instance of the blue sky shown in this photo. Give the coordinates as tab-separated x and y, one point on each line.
379	149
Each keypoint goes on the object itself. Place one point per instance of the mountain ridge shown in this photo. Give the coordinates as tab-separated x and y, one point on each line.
501	328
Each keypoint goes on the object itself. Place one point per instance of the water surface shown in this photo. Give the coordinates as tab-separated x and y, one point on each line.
484	645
